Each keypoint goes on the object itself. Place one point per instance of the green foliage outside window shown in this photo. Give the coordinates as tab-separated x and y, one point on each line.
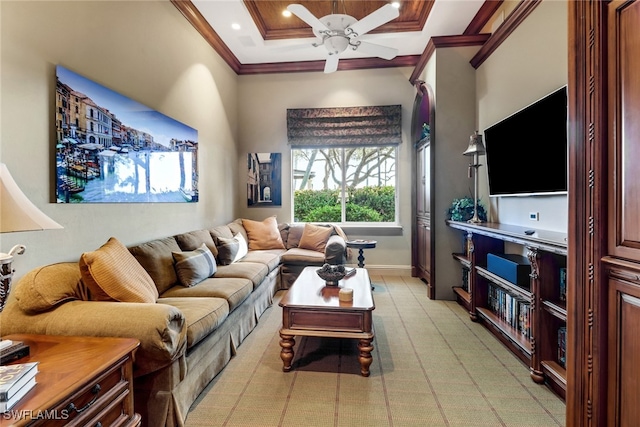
367	204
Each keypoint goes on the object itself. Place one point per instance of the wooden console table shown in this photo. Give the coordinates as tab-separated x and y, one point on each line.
80	381
531	321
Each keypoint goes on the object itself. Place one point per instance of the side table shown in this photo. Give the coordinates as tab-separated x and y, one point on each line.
361	245
80	381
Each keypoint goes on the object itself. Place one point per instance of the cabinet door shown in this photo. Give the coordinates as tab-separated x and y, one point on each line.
624	349
624	130
424	248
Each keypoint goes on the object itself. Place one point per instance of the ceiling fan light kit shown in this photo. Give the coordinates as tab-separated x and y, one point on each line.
337	32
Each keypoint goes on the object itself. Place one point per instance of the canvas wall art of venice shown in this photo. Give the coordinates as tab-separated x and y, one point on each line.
112	149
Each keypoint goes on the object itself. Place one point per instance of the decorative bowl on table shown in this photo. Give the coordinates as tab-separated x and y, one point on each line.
331	274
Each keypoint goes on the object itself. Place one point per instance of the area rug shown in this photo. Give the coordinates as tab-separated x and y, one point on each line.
431	366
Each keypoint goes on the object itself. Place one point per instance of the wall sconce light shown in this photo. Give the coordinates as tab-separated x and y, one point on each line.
475	149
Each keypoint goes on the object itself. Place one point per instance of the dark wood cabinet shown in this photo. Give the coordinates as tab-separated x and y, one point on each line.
529	319
423	211
622	263
423	255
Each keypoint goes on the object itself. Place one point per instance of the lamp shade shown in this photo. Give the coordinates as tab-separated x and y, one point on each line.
475	145
17	213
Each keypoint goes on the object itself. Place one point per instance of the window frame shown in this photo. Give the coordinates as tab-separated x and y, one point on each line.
394	227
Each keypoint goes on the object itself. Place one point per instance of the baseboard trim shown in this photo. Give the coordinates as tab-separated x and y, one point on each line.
388	270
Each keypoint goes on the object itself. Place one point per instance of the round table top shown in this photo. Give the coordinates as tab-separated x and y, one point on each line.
361	244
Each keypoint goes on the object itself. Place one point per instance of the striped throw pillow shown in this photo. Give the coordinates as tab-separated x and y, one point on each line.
192	267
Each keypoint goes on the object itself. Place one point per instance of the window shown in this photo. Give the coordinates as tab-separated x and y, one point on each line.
343	163
346	185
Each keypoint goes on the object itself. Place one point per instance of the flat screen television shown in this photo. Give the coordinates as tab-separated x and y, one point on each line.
526	153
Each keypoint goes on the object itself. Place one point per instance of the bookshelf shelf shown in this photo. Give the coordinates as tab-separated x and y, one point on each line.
509	332
555	310
505	284
464	298
553	370
462	259
519	315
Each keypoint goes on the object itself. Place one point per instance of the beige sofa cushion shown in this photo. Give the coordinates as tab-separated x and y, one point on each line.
253	271
192	267
156	256
263	234
297	256
112	273
221	231
314	237
234	290
295	234
194	239
238	227
44	287
268	257
202	315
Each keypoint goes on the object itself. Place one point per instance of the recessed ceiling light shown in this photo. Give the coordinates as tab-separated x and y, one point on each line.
396	4
235	26
286	13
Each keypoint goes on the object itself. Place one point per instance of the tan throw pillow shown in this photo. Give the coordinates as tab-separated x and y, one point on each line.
112	274
314	237
263	234
192	267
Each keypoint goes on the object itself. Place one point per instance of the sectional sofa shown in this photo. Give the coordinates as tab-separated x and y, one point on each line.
190	299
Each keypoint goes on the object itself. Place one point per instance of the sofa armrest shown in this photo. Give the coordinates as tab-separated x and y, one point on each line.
335	251
160	328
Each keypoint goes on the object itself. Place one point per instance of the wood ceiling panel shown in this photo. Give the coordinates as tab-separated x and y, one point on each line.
273	25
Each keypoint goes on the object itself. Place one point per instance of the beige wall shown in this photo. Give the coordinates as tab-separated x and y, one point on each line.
147	51
144	50
530	64
263	103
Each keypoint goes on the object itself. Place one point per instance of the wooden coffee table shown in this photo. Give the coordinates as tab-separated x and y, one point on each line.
309	308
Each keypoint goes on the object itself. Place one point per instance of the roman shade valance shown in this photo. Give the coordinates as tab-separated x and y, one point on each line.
344	126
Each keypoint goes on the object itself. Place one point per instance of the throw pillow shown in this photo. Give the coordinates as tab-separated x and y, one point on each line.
112	274
243	247
314	237
192	267
263	234
227	250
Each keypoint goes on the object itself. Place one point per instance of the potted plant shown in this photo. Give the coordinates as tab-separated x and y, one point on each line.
462	210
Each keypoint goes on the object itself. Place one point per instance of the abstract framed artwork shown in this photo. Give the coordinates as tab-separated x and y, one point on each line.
112	149
264	179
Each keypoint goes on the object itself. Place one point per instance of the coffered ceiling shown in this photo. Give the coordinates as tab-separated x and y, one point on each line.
253	36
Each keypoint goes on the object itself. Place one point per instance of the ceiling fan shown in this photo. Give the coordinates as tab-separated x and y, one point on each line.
337	32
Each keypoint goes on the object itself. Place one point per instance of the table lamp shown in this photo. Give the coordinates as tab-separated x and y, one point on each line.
475	149
17	213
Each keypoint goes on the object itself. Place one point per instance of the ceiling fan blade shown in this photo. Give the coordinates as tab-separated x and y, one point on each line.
303	13
373	20
331	64
380	51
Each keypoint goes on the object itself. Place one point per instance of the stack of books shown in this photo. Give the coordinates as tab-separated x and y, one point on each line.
15	382
562	346
12	350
